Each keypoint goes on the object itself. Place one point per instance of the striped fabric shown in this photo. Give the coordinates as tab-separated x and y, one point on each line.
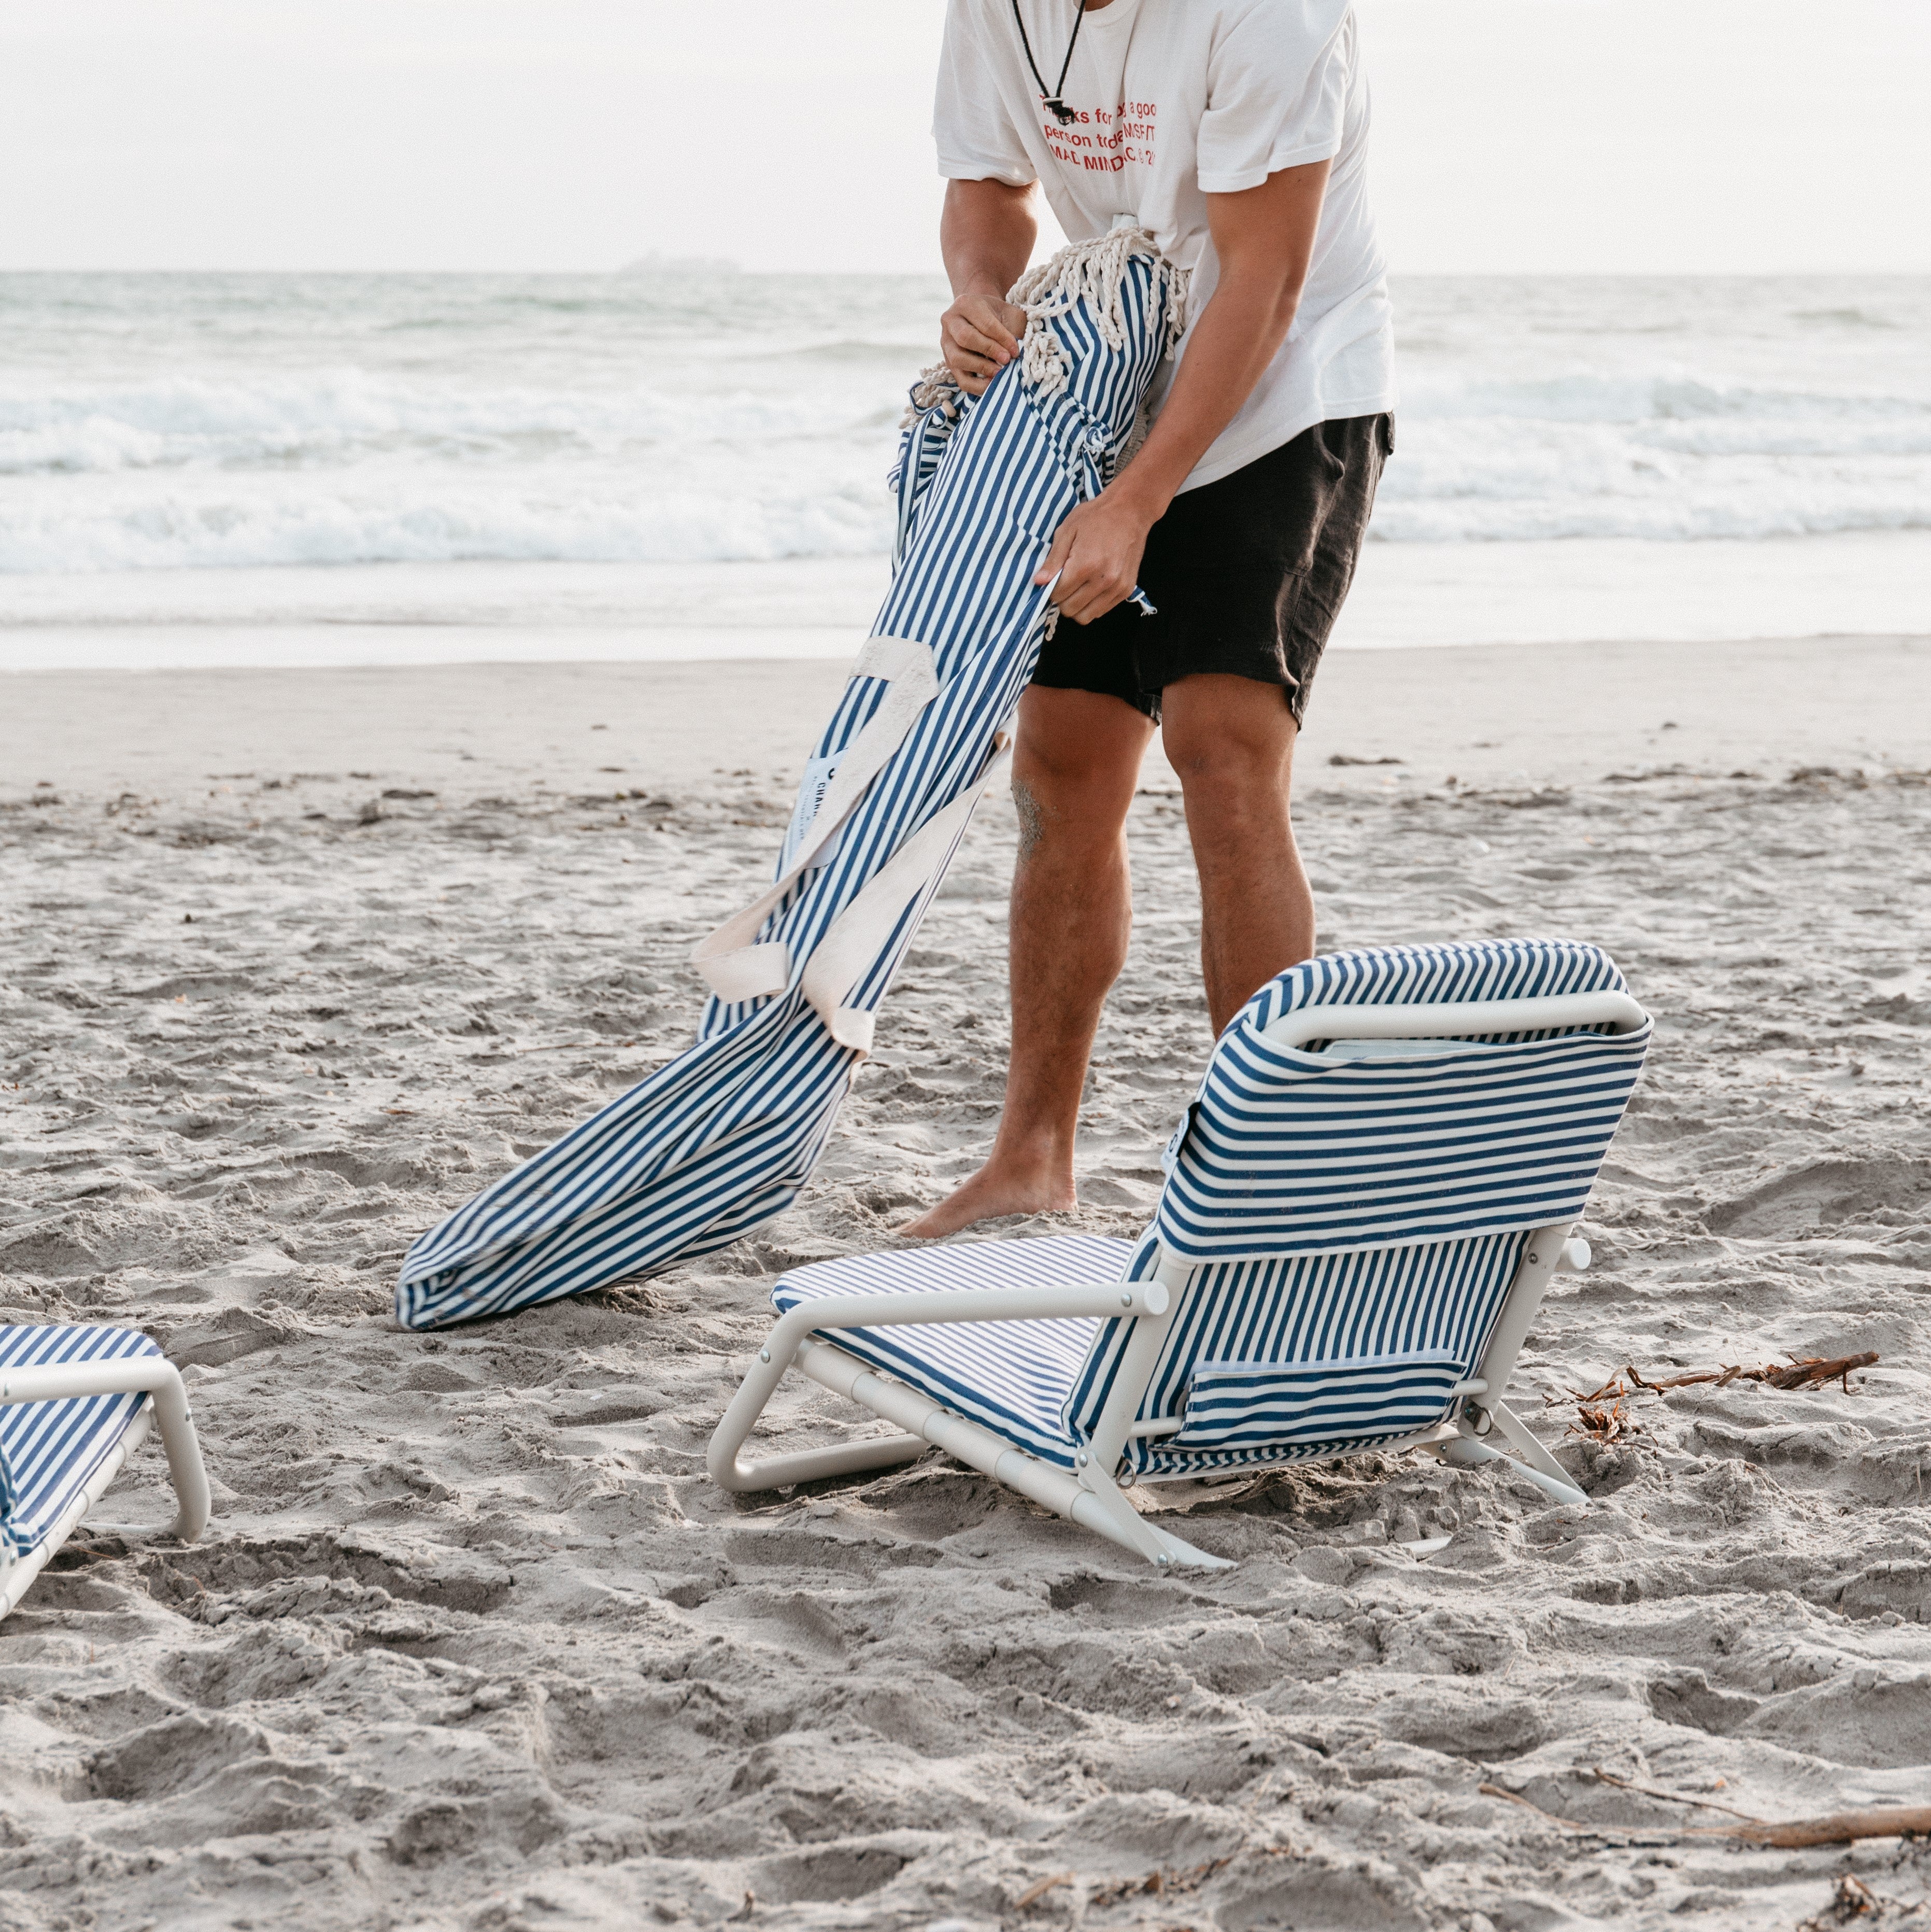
1291	1150
1355	1223
714	1144
1013	1377
1437	1299
1266	1404
936	412
49	1450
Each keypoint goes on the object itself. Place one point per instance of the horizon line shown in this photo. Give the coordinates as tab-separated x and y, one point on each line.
722	271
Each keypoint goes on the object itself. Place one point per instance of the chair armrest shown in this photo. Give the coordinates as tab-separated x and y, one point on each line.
152	1375
58	1382
1058	1303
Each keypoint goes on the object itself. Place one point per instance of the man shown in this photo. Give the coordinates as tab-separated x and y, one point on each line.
1236	133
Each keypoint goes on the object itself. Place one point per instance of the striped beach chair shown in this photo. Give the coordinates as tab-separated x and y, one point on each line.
715	1144
1363	1208
75	1403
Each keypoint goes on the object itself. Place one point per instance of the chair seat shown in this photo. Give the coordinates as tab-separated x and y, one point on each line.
50	1450
1013	1377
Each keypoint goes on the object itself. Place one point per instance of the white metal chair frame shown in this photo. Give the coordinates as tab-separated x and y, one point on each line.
1088	1493
160	1381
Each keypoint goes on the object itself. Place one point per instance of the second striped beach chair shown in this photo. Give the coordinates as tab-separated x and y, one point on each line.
75	1401
1364	1206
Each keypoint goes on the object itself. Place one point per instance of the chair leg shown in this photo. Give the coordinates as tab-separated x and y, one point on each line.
806	1465
1539	1459
1468	1450
1093	1501
1545	1250
1101	1506
186	1470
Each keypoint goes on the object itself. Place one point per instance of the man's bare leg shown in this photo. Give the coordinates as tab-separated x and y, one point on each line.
1074	771
1231	740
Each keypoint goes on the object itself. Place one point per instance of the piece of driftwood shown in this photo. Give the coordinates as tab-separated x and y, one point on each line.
1810	1371
1672	1797
1034	1893
1612	1390
1840	1828
1161	1883
1516	1797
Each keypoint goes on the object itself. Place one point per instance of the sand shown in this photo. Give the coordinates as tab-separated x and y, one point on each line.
291	962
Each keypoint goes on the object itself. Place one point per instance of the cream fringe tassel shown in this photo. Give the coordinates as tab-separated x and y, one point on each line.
1089	271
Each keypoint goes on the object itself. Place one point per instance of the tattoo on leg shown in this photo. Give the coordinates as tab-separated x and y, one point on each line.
1032	820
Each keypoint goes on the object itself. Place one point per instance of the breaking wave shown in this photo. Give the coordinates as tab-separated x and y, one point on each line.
411	419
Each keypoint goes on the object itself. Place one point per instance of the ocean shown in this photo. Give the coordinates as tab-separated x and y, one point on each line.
623	449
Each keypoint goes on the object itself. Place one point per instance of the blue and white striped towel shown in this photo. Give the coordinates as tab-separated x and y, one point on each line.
713	1145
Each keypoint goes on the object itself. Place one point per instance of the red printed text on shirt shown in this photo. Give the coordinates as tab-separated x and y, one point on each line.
1104	141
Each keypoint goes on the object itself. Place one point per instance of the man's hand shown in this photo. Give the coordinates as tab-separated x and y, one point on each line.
986	235
978	336
1096	553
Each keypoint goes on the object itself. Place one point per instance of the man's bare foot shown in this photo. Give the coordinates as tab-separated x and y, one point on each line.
1000	1187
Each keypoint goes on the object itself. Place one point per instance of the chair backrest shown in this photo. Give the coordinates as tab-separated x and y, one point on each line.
1350	1219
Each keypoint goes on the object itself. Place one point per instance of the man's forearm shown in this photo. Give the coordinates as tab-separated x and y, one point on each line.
1237	335
1264	238
986	235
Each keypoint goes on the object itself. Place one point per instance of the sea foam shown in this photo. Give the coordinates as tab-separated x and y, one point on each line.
150	423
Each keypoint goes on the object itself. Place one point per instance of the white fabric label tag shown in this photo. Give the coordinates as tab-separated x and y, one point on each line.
818	773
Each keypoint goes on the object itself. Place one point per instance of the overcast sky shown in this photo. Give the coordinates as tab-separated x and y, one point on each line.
1589	135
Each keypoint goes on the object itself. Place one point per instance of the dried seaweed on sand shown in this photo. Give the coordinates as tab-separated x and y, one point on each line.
1805	1372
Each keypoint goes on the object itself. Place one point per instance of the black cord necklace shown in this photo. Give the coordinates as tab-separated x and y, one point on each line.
1054	102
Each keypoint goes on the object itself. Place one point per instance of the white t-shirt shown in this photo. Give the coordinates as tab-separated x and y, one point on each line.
1177	100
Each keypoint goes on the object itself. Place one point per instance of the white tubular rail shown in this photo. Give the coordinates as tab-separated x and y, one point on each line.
833	1311
150	1374
1100	1509
1546	1250
1466	1450
1454	1019
1542	1254
1093	1502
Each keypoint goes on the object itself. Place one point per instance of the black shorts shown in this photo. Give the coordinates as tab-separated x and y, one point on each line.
1247	573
